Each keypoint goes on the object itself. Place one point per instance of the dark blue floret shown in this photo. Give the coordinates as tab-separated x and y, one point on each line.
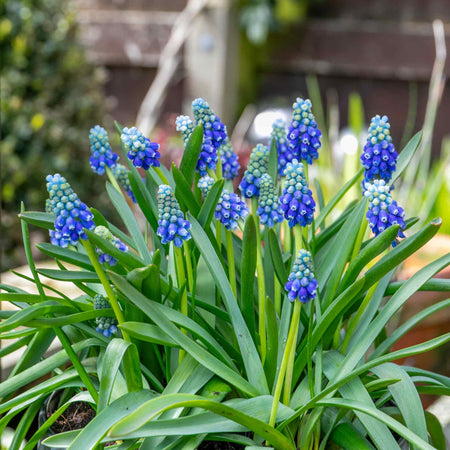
230	162
301	283
257	166
383	209
285	154
303	136
72	215
140	150
296	200
105	325
269	208
102	155
120	173
230	208
214	135
171	223
105	234
379	157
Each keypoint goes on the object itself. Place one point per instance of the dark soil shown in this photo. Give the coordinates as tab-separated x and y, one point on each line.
76	416
218	445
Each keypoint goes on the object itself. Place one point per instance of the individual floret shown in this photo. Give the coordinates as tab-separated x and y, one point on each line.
303	135
302	284
296	200
269	208
171	223
140	150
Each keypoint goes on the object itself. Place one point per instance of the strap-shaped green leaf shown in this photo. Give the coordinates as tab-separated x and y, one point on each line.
191	154
39	219
405	156
183	192
277	257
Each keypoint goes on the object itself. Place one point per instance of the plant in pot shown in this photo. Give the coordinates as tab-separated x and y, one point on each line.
227	322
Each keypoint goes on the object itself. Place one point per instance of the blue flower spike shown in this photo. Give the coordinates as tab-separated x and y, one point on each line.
230	209
185	127
120	173
303	135
102	155
379	157
171	223
285	154
140	150
105	234
205	184
302	284
296	200
214	135
257	166
230	161
105	325
383	209
269	208
72	215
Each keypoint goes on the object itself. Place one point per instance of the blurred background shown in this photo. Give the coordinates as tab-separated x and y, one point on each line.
69	65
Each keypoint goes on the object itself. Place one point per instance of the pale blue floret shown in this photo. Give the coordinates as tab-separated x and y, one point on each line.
302	284
269	209
257	166
230	161
102	155
105	325
120	173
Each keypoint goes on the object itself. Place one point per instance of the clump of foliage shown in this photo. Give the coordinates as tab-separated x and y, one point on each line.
49	95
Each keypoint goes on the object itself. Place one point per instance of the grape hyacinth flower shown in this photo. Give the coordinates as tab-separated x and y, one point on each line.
102	155
105	234
303	135
120	173
185	127
302	284
140	150
296	200
105	325
257	166
230	208
269	208
205	184
214	135
285	154
383	209
230	162
379	157
72	215
171	223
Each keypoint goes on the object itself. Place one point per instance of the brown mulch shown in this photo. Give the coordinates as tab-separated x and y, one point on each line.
75	417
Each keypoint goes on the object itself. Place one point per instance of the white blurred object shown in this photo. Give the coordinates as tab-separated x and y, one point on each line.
6	439
262	124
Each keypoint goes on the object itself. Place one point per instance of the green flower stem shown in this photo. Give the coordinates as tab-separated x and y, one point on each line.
287	237
106	285
190	274
261	285
290	348
359	238
181	280
310	349
298	241
230	257
113	180
277	294
219	167
160	174
65	342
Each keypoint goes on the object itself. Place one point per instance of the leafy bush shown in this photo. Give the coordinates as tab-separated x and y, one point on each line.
49	96
175	341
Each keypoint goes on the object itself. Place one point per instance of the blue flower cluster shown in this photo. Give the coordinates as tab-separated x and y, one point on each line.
285	154
105	325
296	200
171	223
303	135
214	135
140	150
102	155
379	157
230	208
105	234
269	208
257	166
205	184
301	283
185	127
72	215
120	173
383	209
230	161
